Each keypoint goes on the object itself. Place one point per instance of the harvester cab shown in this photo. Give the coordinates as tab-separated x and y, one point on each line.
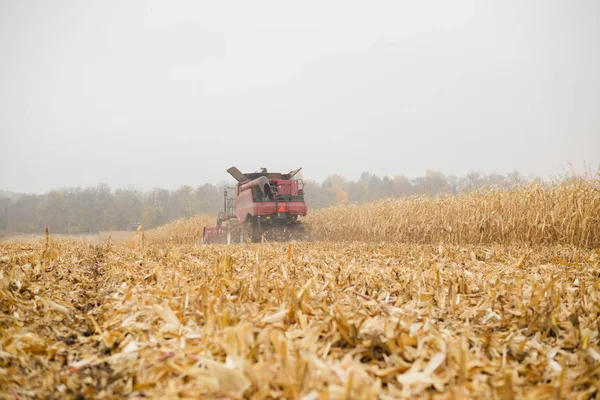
262	205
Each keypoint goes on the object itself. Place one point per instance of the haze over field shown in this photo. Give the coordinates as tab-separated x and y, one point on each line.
156	94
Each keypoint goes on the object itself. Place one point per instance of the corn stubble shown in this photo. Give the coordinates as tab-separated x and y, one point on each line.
164	317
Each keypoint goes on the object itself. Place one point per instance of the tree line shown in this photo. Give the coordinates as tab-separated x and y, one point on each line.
369	187
100	208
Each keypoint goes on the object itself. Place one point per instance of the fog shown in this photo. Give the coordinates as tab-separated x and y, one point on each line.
158	94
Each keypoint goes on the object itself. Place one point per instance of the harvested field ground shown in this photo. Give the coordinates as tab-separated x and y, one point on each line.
308	320
99	238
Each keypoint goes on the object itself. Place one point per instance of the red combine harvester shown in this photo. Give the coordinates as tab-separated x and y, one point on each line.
263	204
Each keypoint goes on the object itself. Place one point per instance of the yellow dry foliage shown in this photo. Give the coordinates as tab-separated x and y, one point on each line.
536	214
299	321
494	294
182	231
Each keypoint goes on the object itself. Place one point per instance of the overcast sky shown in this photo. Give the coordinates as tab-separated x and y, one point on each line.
163	93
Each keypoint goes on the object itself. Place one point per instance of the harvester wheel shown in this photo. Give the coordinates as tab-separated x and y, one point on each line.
256	230
245	230
242	236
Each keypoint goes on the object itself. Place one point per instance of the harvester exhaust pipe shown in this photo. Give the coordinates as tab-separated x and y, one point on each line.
262	183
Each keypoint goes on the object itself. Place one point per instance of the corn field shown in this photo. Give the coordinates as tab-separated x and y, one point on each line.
398	308
565	213
183	231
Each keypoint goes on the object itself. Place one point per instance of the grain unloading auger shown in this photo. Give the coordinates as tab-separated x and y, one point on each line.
262	205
